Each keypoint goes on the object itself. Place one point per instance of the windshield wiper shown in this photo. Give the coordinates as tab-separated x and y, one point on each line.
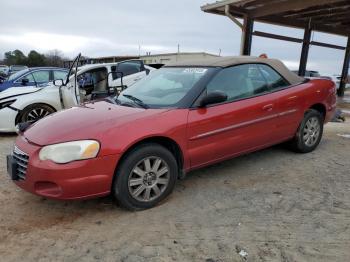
111	100
137	101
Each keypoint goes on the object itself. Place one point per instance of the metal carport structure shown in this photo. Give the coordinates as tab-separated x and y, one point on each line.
328	16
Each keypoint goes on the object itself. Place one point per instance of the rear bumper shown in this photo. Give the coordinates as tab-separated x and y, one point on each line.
75	180
7	120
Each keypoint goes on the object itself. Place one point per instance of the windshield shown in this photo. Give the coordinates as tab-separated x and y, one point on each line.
17	74
164	87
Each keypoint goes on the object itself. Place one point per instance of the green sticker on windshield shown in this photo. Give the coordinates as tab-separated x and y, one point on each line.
195	70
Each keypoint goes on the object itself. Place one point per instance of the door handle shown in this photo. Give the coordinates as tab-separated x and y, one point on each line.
268	107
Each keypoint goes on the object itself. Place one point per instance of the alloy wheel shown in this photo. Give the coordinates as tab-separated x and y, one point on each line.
311	131
149	179
36	114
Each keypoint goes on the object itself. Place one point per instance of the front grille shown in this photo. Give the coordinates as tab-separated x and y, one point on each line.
21	159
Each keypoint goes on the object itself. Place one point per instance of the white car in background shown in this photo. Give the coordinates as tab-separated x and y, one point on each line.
4	69
89	82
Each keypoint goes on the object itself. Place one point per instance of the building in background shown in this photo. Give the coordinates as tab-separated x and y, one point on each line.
99	60
149	59
174	57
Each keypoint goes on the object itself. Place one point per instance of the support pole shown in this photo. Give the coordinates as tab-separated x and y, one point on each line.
305	51
247	36
345	71
247	31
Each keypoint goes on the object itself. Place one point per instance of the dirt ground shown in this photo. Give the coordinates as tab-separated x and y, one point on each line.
274	205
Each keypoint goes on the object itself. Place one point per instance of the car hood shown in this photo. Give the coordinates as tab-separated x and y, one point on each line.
17	91
88	121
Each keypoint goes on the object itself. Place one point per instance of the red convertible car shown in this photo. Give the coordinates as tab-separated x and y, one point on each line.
179	118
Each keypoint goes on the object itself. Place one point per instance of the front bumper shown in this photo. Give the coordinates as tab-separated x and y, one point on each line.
76	180
7	120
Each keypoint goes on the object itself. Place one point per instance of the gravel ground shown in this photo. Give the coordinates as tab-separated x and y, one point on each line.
272	205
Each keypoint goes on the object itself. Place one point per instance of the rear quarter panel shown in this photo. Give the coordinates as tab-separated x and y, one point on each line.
321	91
294	101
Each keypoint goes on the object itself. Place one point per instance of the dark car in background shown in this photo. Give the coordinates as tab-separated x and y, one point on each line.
308	73
33	77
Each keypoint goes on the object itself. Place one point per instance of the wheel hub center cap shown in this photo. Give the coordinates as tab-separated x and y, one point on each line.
149	179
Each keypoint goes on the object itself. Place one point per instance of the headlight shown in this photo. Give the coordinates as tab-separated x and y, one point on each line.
70	151
7	103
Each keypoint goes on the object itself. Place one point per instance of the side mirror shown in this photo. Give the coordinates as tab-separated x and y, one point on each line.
213	98
58	82
25	81
117	74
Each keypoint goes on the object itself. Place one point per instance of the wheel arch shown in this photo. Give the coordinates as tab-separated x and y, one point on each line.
164	141
321	108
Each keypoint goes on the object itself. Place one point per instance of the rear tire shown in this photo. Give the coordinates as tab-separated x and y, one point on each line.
309	133
145	177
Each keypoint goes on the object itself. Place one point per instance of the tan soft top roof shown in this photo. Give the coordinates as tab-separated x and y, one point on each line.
236	60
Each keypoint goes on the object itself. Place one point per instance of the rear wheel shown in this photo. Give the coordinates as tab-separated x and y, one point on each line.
145	177
35	112
309	133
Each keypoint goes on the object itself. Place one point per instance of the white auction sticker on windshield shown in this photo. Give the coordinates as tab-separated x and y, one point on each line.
195	70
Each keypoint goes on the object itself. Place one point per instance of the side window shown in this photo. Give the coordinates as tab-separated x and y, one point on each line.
274	79
239	82
42	76
128	68
29	77
57	74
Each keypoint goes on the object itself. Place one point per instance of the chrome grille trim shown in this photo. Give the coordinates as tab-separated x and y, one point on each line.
21	159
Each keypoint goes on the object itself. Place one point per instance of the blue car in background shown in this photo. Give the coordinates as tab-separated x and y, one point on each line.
34	76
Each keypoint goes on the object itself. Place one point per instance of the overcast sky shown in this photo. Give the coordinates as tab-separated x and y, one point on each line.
119	27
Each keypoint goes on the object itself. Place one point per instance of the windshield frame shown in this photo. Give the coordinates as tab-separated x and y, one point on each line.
191	95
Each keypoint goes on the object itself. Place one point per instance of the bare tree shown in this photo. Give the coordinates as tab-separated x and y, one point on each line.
54	58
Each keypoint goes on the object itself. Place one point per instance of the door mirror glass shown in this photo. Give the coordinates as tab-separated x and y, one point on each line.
58	82
214	97
25	81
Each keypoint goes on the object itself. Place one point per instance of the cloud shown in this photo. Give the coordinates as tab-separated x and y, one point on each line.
70	44
44	41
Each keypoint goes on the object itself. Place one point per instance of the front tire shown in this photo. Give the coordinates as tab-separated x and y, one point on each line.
145	177
35	112
309	133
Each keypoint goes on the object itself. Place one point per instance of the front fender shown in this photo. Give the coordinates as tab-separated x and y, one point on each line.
43	96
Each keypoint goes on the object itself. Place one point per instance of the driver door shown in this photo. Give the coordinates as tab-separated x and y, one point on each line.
69	94
245	122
